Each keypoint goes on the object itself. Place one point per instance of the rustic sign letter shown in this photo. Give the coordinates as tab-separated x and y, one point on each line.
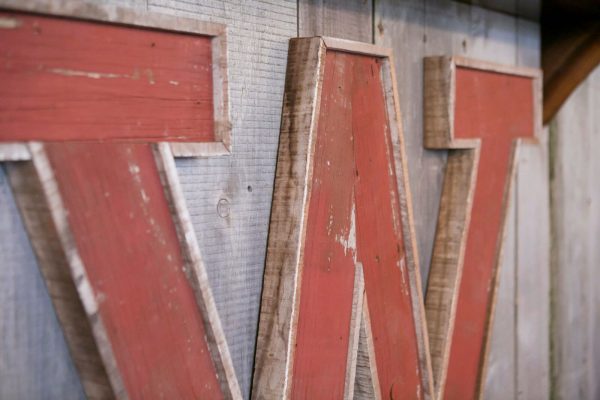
342	310
91	111
480	112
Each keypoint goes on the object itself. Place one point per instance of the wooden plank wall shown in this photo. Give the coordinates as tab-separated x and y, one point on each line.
34	358
229	198
575	139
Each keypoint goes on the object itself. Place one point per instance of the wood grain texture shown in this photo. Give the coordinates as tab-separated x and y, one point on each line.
444	27
575	199
258	32
97	257
127	187
299	116
105	81
337	18
347	198
232	236
460	303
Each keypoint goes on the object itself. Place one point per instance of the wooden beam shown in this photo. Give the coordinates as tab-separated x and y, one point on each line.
570	48
567	61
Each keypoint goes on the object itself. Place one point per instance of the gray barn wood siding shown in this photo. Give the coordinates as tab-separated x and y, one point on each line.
233	246
576	244
34	358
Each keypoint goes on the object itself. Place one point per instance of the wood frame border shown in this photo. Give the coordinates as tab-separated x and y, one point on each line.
118	15
456	202
287	232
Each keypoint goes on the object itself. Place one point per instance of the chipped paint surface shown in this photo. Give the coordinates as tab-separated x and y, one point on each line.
125	237
9	23
354	218
85	74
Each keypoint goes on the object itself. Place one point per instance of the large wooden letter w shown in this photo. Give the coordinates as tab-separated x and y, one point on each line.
91	111
480	111
341	311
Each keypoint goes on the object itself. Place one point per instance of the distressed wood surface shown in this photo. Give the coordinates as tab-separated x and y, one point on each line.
134	345
229	198
299	115
575	136
113	255
444	27
107	82
476	95
232	236
348	213
346	19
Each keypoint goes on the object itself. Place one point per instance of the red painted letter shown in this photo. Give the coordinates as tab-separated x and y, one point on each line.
480	111
341	308
102	201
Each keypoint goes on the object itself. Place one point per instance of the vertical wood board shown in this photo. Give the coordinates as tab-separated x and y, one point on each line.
575	136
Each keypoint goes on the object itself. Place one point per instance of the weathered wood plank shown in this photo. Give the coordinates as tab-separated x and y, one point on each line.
501	375
467	85
532	283
229	198
106	81
298	116
345	211
338	18
113	255
575	137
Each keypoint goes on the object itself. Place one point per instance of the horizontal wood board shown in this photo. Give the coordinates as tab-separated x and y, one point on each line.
107	82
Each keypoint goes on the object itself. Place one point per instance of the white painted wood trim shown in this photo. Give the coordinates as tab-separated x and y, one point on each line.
14	152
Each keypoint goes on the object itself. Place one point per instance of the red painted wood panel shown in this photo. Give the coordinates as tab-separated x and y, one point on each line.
328	275
65	79
380	241
91	90
354	217
498	108
121	222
